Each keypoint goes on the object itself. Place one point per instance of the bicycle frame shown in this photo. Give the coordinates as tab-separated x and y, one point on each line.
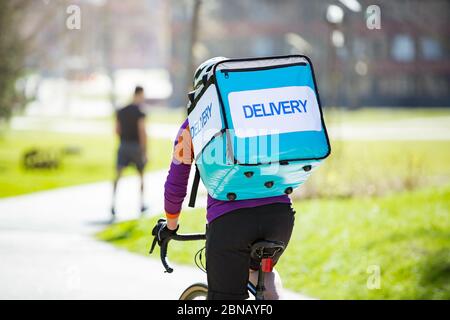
256	291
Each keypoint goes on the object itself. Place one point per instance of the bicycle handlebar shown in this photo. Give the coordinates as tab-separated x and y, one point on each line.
164	244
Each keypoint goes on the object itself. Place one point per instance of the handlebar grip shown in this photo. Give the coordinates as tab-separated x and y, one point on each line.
163	252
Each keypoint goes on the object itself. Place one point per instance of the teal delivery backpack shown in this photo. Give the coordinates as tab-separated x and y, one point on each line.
257	127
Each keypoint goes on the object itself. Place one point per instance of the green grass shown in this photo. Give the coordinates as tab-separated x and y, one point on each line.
354	168
174	116
336	241
358	168
96	160
365	115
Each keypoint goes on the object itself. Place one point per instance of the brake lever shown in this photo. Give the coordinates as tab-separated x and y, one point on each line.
155	240
163	246
155	234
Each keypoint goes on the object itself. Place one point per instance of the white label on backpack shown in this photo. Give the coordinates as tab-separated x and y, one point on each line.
279	110
205	120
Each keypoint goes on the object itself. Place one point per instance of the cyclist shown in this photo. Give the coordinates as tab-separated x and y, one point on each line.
233	226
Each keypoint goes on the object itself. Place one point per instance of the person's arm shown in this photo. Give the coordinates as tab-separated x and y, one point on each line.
142	132
175	188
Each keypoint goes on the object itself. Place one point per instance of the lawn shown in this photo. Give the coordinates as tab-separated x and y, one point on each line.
94	161
336	242
353	169
365	115
373	204
361	168
166	115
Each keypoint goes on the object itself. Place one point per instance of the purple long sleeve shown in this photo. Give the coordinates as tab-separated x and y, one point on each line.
175	187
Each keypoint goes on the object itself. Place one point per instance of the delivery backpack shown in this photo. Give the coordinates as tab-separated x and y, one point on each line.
257	127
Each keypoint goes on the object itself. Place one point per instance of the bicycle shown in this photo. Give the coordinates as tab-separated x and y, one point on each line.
263	251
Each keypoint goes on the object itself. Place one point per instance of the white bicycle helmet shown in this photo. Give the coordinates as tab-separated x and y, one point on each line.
205	69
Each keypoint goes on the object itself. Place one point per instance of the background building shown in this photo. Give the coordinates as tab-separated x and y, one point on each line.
404	63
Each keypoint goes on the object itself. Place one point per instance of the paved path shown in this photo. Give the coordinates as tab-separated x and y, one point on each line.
47	250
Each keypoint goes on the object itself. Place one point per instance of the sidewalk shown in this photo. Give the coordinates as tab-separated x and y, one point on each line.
47	250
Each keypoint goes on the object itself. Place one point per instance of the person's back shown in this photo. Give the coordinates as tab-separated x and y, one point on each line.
128	118
233	226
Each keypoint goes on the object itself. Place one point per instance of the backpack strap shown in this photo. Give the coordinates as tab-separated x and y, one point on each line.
194	188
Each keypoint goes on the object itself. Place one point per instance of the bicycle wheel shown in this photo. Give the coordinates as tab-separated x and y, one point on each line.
197	291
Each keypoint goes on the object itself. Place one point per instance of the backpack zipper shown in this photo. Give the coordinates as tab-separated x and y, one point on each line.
226	71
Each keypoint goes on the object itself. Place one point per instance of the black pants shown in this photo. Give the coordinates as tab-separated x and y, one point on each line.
229	239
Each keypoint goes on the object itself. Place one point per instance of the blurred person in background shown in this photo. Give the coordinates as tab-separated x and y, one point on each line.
130	127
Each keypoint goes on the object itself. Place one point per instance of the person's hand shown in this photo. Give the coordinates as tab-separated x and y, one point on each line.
162	232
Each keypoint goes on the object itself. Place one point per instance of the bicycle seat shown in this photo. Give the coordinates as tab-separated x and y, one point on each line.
266	249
